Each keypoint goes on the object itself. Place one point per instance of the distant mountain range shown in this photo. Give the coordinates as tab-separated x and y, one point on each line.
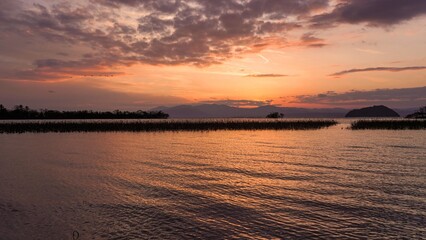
224	111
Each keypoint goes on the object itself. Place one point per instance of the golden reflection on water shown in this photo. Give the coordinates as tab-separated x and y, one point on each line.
248	184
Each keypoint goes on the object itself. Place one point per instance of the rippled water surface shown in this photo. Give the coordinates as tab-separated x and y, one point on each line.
323	184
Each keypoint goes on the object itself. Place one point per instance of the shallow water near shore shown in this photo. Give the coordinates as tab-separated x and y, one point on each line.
324	184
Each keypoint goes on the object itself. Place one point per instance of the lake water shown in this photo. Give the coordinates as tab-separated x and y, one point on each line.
322	184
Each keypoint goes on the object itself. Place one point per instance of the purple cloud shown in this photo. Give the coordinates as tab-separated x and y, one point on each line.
402	97
173	32
388	69
372	12
198	32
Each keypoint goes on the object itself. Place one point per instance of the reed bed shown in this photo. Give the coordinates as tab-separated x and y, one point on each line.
166	125
388	125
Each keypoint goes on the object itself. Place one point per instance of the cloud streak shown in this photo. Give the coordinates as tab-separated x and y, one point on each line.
376	69
402	97
309	40
266	75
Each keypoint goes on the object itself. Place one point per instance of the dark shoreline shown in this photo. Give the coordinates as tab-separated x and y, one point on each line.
158	126
388	125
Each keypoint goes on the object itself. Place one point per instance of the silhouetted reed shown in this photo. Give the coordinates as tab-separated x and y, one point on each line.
389	124
160	125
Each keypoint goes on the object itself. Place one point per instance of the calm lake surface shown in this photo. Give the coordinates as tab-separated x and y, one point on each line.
322	184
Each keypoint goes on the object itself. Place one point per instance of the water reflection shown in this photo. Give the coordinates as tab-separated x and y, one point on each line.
266	184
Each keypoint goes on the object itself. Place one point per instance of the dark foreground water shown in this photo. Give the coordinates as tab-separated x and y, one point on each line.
321	184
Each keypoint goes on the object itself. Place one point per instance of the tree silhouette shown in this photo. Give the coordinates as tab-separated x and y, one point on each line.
24	112
275	115
421	113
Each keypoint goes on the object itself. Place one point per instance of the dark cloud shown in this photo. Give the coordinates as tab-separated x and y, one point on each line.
403	97
283	8
248	8
372	12
63	54
9	6
266	75
309	40
388	69
166	6
170	32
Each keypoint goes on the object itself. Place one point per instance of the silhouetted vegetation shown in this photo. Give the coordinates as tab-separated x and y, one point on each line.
160	125
275	115
389	124
420	114
21	112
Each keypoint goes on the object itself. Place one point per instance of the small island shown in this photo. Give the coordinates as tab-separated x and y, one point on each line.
373	112
420	114
275	115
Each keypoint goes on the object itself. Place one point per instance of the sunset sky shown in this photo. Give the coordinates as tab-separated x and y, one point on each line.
139	54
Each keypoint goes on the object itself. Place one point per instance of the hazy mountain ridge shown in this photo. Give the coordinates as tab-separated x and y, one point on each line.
225	111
